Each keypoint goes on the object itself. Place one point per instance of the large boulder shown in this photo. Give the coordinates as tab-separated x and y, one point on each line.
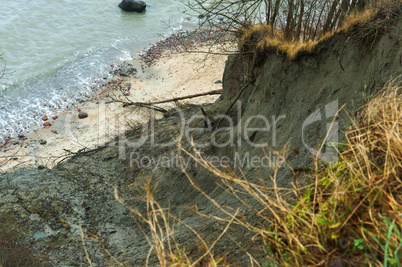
133	5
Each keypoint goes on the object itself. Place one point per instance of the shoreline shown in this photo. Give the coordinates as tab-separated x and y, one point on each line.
162	73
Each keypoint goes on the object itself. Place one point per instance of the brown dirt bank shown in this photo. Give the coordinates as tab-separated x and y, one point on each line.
296	99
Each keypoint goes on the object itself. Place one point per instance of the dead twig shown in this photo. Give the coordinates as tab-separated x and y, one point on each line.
151	105
80	152
342	53
144	105
207	121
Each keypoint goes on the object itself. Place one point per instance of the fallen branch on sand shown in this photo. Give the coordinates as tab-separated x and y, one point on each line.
151	105
82	151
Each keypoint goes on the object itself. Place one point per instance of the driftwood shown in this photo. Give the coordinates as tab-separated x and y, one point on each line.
151	105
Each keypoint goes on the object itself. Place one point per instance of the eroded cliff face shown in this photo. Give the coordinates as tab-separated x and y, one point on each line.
298	99
281	102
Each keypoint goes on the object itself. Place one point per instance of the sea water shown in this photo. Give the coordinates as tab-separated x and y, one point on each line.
55	50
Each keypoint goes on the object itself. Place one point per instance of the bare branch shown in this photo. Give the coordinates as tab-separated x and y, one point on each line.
150	105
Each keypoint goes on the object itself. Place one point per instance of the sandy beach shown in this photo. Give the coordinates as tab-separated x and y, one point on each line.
167	75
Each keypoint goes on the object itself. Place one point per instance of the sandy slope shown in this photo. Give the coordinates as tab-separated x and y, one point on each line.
173	75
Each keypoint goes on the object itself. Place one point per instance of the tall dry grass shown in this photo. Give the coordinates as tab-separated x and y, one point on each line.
163	227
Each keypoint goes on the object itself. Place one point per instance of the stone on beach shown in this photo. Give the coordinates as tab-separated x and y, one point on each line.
82	115
47	124
127	71
133	5
44	118
182	39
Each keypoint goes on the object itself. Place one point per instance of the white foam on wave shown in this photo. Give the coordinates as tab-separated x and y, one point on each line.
23	105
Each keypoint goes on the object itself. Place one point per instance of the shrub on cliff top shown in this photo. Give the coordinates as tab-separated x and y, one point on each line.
365	27
298	20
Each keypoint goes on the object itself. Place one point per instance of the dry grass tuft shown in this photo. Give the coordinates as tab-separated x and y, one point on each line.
261	37
249	38
356	18
351	213
368	26
163	226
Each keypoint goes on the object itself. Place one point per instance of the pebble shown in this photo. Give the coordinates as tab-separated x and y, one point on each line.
44	118
47	124
43	142
54	117
82	115
177	41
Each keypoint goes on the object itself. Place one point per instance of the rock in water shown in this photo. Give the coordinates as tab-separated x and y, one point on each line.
133	5
82	115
